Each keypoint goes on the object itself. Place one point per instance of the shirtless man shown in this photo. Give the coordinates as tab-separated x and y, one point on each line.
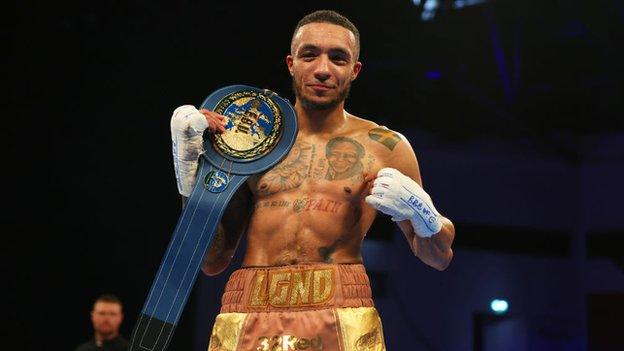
303	285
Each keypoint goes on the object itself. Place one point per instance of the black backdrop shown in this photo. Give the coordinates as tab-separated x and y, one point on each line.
92	197
91	191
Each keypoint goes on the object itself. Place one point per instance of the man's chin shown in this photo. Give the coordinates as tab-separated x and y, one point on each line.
318	104
106	331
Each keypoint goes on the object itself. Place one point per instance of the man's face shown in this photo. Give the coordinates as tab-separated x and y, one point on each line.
106	317
323	64
342	157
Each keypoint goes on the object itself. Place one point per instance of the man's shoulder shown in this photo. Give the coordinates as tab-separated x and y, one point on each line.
359	124
372	129
86	346
382	139
118	344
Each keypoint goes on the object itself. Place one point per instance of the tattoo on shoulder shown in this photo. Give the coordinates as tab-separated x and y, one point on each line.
385	136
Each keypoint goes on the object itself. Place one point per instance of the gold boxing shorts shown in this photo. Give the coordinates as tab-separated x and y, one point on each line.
299	307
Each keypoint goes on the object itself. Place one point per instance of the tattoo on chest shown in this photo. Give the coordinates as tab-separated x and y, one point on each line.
323	205
385	136
290	173
343	158
303	204
275	203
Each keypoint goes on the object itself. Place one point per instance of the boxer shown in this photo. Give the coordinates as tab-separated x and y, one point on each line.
303	285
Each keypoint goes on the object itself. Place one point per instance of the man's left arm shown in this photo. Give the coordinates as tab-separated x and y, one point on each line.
397	191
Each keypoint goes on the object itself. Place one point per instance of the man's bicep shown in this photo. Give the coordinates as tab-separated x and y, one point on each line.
403	158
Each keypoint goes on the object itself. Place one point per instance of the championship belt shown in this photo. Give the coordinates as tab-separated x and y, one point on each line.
261	127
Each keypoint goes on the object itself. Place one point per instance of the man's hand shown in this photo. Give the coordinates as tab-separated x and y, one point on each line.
187	127
399	196
187	116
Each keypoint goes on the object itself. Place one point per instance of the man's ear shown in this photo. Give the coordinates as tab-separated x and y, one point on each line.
289	64
357	67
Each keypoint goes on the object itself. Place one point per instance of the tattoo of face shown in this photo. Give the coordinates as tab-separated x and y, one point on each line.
290	173
344	156
385	136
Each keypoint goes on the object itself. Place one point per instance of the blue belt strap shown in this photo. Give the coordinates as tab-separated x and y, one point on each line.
222	169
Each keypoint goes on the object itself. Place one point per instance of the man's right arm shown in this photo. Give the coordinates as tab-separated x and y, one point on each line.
187	128
231	228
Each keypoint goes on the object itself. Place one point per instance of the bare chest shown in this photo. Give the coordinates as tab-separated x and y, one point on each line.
333	167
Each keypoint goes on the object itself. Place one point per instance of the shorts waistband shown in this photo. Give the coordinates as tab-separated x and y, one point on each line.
297	287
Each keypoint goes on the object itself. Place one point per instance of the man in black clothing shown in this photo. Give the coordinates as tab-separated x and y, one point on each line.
106	317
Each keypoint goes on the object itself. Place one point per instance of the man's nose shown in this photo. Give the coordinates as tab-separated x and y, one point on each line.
321	71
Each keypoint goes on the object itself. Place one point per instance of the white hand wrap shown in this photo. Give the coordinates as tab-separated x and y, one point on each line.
187	128
402	198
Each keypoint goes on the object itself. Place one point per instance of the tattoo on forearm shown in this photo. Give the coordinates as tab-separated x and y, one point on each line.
385	136
323	205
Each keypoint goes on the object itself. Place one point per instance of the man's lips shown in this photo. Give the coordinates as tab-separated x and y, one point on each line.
320	87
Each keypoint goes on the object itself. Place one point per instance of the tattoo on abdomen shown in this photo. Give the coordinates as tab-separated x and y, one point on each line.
290	173
384	136
326	251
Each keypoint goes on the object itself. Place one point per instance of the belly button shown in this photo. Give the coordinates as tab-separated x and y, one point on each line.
347	190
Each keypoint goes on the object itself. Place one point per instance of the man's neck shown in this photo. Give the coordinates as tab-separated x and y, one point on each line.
100	338
320	121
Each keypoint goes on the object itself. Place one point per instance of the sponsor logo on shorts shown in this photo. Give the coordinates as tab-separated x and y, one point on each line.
292	288
289	343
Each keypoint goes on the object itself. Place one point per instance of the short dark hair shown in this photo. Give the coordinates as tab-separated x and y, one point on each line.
332	17
108	298
332	143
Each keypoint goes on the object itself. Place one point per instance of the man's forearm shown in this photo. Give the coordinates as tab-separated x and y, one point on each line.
435	251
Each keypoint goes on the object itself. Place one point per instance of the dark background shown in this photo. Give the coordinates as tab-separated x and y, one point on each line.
92	196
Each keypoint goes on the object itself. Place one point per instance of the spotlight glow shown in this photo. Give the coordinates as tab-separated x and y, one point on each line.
499	306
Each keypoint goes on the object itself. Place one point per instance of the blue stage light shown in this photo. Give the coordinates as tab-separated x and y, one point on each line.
499	306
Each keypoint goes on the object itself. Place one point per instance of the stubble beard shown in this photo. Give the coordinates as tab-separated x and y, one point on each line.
320	106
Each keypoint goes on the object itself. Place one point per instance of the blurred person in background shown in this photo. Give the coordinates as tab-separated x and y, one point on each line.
106	316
